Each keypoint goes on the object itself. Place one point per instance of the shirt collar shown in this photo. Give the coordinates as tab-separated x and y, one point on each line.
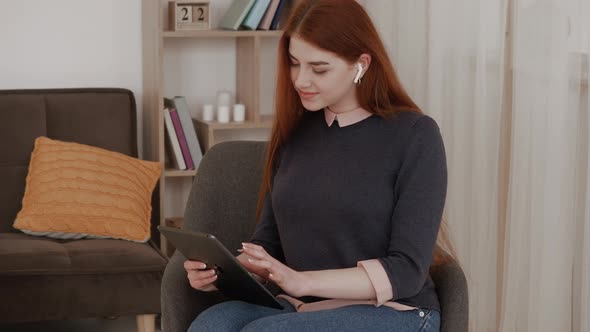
346	119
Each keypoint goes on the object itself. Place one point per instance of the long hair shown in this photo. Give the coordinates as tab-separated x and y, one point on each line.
344	28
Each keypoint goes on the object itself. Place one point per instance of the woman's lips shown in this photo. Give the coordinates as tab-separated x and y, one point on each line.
307	95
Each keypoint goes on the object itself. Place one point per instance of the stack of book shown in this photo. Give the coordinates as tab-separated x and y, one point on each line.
180	131
254	15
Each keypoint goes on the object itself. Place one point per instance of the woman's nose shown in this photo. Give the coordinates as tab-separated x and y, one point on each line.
302	80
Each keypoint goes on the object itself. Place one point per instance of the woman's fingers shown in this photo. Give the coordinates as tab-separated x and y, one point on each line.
261	263
202	279
194	265
202	274
260	258
275	270
254	247
199	276
256	251
276	278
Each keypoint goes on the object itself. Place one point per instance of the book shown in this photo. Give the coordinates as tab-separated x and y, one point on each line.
252	20
174	144
188	127
233	17
268	16
274	25
188	160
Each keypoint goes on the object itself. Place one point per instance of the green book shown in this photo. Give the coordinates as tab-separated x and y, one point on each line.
254	17
236	13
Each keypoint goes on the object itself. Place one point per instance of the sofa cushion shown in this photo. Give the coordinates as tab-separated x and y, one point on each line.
48	279
75	190
56	297
21	254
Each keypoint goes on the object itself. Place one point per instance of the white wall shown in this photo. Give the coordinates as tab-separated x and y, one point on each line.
71	43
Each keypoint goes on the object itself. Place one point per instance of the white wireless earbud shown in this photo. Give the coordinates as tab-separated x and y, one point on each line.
357	78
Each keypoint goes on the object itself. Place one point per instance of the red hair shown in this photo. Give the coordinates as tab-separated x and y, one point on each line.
344	28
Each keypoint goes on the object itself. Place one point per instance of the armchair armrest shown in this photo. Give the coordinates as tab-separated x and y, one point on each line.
180	302
452	290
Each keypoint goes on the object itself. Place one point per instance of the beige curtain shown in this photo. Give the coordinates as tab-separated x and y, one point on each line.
507	82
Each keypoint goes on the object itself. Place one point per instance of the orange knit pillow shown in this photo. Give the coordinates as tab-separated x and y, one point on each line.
75	190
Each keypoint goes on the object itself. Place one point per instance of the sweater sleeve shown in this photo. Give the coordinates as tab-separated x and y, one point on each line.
419	198
266	233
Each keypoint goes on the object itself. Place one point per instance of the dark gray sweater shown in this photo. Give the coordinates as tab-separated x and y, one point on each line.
371	190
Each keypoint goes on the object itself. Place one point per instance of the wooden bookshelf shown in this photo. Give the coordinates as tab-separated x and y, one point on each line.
156	38
220	34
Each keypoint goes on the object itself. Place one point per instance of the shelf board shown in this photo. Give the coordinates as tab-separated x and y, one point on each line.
267	119
221	34
179	173
214	125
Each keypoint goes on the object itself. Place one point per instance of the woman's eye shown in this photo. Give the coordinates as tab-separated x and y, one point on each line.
319	72
294	64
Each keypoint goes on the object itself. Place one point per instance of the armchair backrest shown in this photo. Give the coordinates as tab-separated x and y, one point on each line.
225	191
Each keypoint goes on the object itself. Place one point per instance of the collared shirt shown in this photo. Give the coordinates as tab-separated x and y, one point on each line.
347	118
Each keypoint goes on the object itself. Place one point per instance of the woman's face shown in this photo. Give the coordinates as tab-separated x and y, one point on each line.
320	77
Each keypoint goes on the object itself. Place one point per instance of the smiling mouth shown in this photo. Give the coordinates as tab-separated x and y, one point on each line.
307	95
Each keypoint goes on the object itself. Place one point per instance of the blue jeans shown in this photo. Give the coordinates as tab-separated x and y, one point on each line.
242	316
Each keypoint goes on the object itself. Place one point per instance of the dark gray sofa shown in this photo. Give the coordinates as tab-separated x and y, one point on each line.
48	279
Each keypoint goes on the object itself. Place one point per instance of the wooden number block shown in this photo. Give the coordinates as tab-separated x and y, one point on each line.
184	14
189	15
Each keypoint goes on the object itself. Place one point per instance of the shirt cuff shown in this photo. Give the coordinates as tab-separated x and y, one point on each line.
379	279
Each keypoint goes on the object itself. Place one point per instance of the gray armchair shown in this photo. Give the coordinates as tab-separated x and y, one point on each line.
223	202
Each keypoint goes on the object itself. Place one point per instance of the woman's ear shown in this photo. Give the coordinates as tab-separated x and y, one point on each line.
365	61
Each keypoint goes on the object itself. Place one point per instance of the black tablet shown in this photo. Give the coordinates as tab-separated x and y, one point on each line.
234	281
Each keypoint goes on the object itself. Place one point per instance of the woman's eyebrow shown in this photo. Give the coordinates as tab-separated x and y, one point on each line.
313	63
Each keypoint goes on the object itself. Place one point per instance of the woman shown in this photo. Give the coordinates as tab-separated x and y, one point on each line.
353	191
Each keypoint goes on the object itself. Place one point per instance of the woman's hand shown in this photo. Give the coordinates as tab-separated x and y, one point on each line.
258	272
293	282
199	277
